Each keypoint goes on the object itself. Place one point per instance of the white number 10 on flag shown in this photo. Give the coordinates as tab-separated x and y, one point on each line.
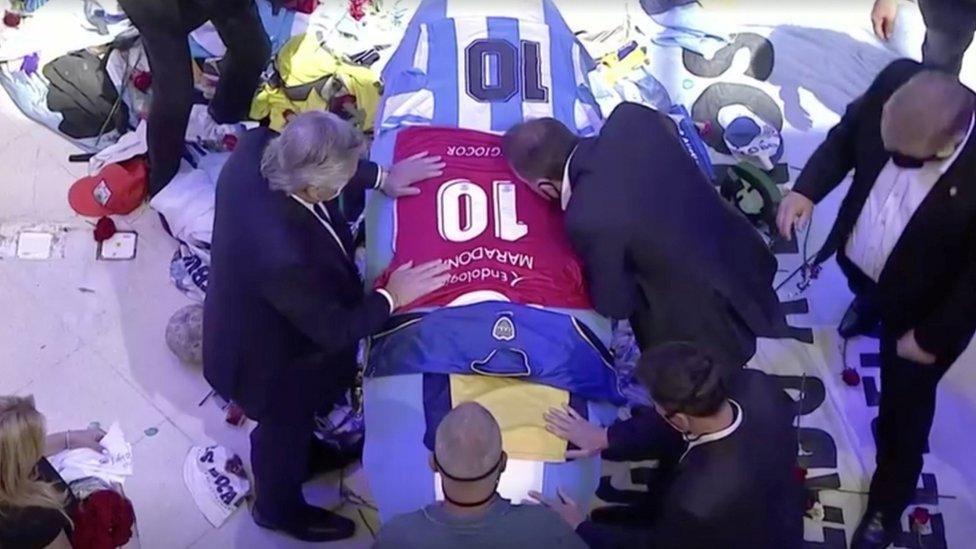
456	194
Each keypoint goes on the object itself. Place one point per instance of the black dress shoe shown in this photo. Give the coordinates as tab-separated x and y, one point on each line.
861	318
875	531
317	525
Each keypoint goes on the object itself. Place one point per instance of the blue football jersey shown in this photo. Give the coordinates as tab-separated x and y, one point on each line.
466	64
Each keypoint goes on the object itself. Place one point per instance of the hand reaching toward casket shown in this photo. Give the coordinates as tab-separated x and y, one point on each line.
408	283
562	505
568	424
399	181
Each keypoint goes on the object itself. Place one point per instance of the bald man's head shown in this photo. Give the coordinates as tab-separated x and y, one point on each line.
469	442
927	116
537	150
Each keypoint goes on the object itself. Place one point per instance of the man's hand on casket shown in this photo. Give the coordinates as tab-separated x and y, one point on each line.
562	505
408	283
401	177
568	424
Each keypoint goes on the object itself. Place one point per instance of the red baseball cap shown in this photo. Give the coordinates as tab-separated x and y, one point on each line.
118	189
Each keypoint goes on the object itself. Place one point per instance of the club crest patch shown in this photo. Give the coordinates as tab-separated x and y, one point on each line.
504	329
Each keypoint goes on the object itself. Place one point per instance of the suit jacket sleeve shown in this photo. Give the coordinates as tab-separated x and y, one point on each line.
833	159
644	436
613	288
308	303
950	328
367	177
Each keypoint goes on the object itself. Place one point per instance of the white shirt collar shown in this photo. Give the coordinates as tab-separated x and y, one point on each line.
718	435
948	162
311	207
567	189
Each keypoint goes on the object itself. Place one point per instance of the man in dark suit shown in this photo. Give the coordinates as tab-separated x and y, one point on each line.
285	307
905	237
727	448
658	244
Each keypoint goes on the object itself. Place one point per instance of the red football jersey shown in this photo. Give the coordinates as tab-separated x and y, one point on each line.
491	229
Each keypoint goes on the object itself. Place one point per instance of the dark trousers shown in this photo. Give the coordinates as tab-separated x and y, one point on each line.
949	28
164	26
904	422
906	412
280	448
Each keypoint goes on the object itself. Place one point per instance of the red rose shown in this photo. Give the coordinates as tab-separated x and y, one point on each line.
921	516
357	9
103	521
851	377
235	415
230	142
142	80
104	229
800	473
11	19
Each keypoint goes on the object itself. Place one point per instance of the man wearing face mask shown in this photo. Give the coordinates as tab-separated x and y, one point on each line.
286	309
727	450
905	237
659	245
469	457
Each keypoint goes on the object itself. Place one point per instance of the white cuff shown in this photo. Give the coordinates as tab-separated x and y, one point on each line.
380	177
389	298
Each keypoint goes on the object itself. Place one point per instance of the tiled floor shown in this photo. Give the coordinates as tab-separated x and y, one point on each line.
86	338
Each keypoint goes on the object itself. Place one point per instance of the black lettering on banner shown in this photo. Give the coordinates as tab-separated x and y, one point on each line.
207	456
721	94
761	58
819	451
513	70
610	494
834	538
813	391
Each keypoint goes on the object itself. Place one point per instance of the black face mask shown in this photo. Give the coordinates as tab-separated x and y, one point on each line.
494	468
910	162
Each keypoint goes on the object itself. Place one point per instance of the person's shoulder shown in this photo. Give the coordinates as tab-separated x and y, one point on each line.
406	520
753	388
537	518
628	109
30	526
709	486
255	138
245	161
894	75
399	530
